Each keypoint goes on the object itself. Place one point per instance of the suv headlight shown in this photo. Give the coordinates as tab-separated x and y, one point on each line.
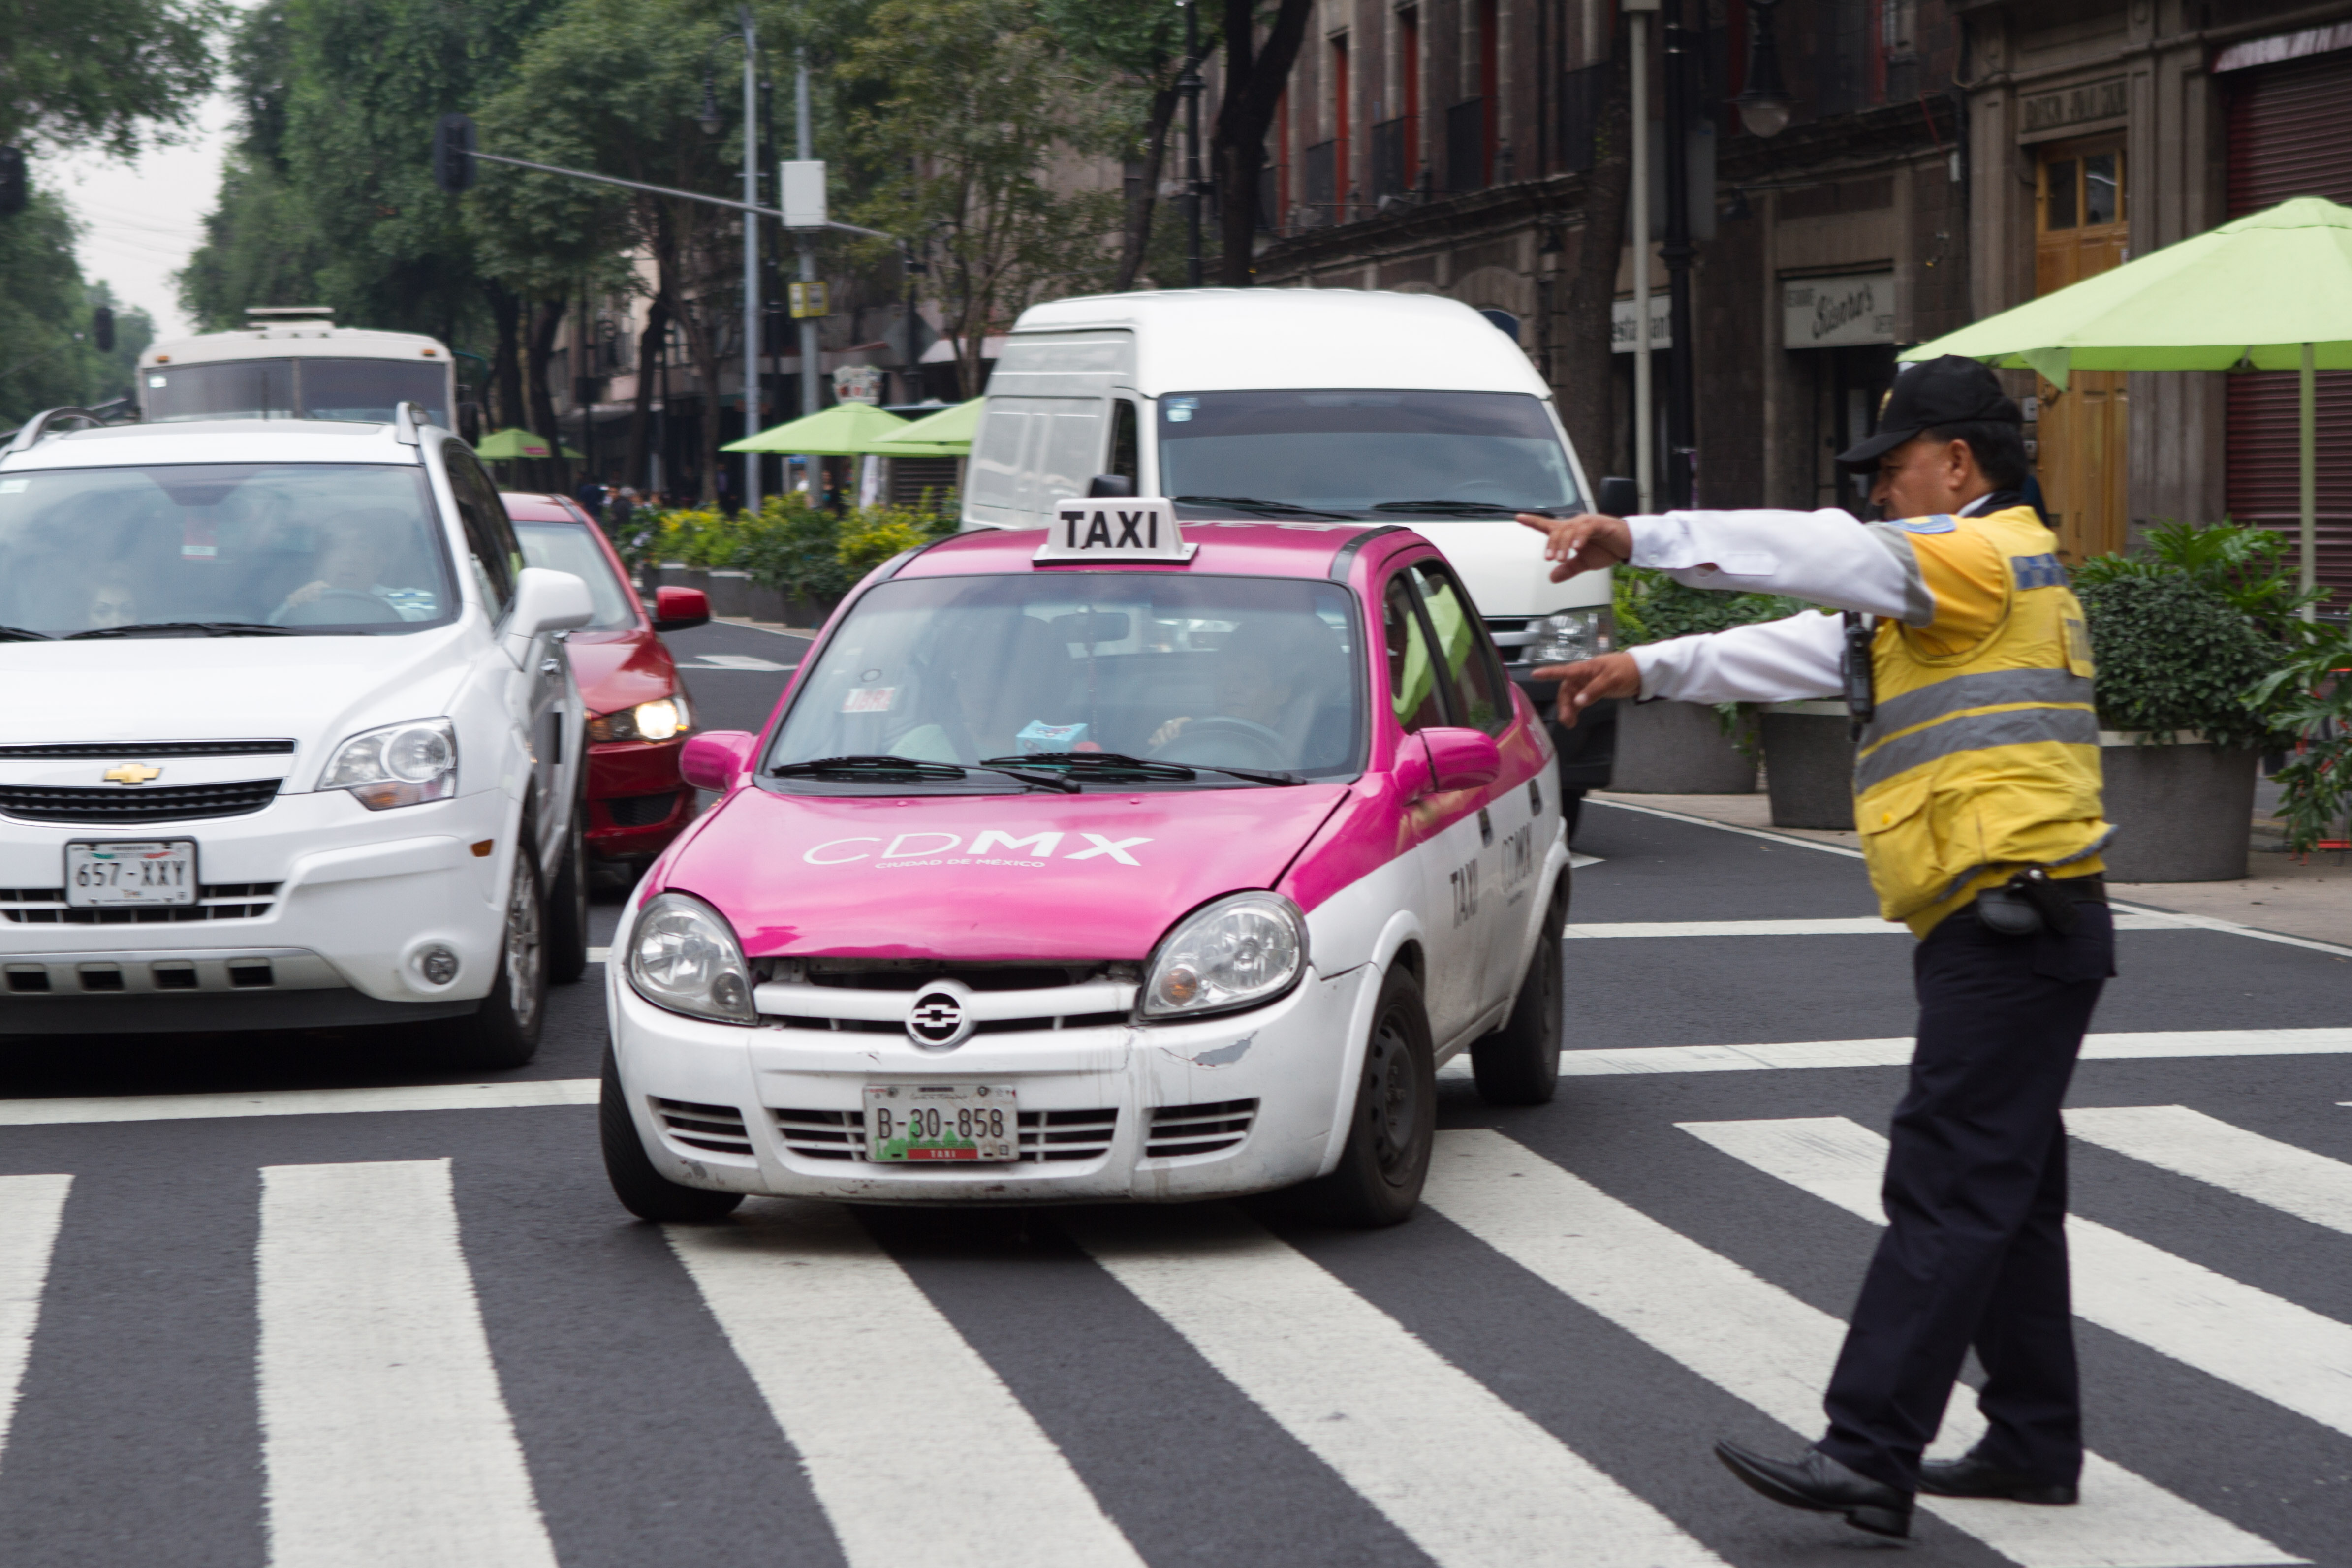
1569	636
663	719
399	764
683	956
1237	952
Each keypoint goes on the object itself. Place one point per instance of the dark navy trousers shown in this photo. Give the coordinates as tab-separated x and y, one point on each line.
1975	1250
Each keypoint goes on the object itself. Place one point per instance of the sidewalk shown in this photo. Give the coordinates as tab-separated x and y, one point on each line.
2311	899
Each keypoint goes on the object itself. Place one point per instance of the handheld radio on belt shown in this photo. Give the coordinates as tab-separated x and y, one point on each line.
1860	678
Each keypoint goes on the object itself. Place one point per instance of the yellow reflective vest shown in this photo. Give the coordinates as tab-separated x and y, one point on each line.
1983	755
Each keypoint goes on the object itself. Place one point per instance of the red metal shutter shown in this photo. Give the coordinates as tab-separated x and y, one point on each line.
2290	129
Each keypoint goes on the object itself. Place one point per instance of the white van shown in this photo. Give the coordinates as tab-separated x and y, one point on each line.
1312	405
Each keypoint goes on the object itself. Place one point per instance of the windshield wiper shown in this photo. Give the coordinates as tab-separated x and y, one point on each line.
1139	767
18	634
200	628
886	767
1456	508
1273	508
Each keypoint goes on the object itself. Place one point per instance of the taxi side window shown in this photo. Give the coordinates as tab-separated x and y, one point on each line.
491	549
1412	682
1473	677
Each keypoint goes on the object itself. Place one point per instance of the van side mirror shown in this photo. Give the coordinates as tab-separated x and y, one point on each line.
679	609
1618	497
1115	485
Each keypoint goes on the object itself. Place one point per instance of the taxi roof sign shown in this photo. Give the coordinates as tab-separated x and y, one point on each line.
1114	527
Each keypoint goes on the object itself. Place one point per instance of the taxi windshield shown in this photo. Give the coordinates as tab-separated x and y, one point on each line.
321	549
1362	453
1259	673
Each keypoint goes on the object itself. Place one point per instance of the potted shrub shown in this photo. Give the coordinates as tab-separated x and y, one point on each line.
1684	748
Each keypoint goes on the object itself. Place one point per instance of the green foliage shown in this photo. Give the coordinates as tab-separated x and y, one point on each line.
1651	607
44	303
107	73
2174	654
2246	567
2311	699
798	549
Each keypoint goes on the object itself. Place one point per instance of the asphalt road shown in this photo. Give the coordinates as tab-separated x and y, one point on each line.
431	1337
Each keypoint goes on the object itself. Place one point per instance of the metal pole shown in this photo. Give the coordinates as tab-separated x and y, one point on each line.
1188	85
807	137
1680	392
751	260
1646	457
2307	429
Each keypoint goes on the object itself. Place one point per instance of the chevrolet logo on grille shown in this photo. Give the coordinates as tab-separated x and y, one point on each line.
131	773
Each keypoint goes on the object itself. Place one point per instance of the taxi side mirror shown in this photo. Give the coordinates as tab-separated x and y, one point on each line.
1462	758
680	609
715	759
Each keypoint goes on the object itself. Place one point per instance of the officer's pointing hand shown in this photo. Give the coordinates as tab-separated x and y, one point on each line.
1586	542
1589	680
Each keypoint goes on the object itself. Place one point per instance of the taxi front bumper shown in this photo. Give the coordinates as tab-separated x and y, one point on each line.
1153	1113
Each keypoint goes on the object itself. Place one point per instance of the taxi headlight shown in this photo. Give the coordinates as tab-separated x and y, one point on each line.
684	957
399	764
663	719
1571	635
1235	953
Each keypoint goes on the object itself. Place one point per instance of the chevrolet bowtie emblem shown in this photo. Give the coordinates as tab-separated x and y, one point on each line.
131	773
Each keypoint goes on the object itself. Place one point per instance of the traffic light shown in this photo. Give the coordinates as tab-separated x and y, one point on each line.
101	329
452	148
14	192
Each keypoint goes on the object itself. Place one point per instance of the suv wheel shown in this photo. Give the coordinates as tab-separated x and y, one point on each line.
567	903
504	1031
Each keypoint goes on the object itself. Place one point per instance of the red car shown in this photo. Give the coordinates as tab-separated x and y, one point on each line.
638	714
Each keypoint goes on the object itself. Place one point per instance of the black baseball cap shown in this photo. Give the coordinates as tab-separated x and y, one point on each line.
1929	396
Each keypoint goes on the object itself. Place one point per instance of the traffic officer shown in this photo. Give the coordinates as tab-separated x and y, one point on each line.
1976	799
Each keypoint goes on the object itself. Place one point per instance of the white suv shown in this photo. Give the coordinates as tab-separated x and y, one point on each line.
288	736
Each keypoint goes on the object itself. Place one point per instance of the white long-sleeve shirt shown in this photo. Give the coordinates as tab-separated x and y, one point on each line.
1824	556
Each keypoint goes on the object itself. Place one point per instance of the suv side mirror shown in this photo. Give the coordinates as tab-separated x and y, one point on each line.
1618	497
1109	485
680	609
548	601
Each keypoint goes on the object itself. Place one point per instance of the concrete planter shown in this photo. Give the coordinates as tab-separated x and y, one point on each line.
731	592
1677	748
2183	813
1808	764
768	604
673	575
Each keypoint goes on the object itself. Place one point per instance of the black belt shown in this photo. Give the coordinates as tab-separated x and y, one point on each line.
2034	898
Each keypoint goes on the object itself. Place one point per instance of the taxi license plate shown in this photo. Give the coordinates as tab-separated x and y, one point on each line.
977	1122
140	871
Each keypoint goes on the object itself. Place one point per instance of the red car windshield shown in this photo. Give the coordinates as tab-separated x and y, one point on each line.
568	547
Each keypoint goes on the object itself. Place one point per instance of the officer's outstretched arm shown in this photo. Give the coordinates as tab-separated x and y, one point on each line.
1825	557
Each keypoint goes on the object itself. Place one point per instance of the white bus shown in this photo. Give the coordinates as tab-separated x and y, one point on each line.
294	362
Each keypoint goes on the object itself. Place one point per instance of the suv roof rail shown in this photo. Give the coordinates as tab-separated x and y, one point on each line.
408	417
36	427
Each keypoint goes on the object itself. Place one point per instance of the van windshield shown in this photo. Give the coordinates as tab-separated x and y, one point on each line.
323	549
1207	672
360	391
1363	453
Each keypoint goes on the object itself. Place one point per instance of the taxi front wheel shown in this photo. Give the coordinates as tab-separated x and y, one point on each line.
1379	1178
644	1191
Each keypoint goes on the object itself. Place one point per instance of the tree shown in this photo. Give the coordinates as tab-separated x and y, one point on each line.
1255	75
47	355
108	72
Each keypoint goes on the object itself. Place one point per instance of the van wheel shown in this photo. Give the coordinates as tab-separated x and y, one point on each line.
503	1032
1518	1064
644	1191
567	903
1380	1172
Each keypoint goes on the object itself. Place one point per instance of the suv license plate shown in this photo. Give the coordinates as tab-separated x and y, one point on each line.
975	1122
133	872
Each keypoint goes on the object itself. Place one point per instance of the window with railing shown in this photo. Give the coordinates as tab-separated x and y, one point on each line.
1466	146
1322	192
1580	92
1391	140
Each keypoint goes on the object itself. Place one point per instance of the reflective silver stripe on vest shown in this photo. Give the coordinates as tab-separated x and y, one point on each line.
1918	604
1985	688
1975	731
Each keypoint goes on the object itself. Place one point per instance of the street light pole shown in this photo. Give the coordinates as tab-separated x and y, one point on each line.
751	260
1681	394
1645	432
807	139
1189	86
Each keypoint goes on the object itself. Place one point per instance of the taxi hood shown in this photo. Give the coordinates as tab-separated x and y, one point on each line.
1092	877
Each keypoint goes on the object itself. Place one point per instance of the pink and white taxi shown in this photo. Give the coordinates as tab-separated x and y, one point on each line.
1112	860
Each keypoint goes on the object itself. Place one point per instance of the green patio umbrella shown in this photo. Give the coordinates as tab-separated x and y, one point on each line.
503	446
2269	291
946	433
844	430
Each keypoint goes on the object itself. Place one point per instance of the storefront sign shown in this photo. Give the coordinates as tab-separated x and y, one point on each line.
2073	106
1620	324
1832	312
858	383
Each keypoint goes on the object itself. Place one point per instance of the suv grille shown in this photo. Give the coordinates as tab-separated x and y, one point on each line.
1198	1129
48	906
718	1128
69	751
1045	1134
40	804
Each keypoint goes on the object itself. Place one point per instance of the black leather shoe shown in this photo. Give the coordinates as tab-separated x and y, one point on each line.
1973	1475
1821	1484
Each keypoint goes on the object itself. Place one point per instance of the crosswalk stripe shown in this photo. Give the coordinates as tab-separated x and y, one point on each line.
2225	1329
1895	1051
520	1094
1855	925
387	1441
31	1208
2192	1143
1472	1482
914	1446
1766	1347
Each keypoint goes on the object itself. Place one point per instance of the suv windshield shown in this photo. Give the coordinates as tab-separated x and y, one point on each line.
322	548
363	391
1351	452
1244	672
567	547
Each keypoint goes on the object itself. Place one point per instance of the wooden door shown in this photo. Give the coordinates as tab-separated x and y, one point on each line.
2081	226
